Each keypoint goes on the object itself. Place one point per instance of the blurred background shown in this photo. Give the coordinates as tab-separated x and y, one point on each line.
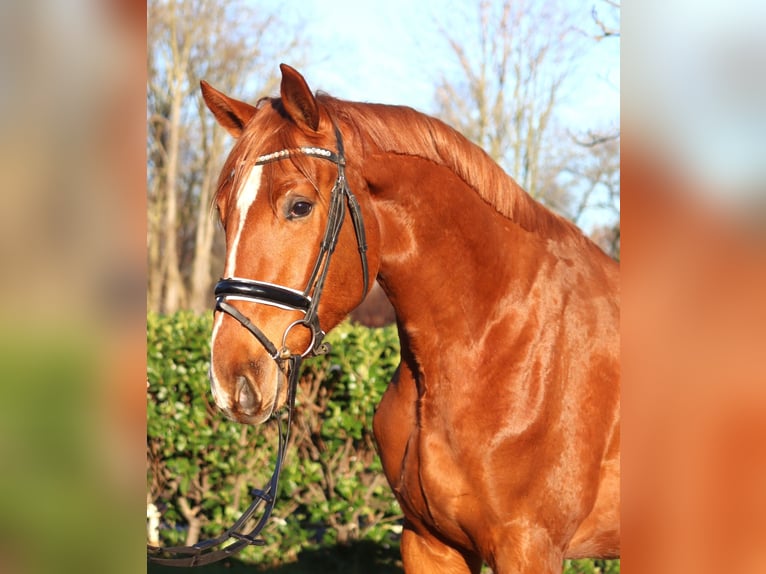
72	316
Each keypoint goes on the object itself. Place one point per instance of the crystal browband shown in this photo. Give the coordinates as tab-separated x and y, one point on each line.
312	151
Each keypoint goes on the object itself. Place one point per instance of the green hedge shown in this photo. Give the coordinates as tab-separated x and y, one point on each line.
332	490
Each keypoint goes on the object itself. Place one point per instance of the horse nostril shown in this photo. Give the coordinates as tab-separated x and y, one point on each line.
246	396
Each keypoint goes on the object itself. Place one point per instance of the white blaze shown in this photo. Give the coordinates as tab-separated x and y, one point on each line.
245	199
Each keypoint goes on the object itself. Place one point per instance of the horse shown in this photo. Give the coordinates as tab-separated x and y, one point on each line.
500	431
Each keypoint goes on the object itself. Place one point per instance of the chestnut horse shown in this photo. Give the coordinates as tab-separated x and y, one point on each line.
500	432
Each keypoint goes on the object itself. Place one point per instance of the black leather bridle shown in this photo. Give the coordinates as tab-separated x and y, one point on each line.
306	301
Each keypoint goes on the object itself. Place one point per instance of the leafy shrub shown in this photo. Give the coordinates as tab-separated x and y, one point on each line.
589	566
201	466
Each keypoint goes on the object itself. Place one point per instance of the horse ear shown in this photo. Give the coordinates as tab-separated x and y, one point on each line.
232	114
300	104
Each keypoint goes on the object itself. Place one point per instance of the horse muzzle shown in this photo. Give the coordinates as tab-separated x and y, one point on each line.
250	394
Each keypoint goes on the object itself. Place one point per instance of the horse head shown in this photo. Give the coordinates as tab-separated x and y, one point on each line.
293	270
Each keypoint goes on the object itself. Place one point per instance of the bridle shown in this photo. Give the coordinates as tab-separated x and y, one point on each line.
306	301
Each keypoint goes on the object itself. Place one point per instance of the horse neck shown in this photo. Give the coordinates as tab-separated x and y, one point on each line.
451	264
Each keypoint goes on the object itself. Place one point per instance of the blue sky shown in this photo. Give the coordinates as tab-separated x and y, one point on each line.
380	51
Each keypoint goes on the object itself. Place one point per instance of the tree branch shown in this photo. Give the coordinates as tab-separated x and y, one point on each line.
195	523
606	31
596	139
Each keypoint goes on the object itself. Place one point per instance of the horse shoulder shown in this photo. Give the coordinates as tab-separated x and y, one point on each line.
416	456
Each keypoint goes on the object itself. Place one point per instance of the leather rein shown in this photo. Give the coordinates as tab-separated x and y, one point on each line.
230	289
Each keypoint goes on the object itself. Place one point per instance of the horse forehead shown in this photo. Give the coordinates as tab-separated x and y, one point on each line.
246	195
247	192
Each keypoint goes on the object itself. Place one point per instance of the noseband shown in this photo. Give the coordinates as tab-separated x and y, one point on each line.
306	301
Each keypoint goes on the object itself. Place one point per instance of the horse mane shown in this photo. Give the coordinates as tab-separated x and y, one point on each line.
403	130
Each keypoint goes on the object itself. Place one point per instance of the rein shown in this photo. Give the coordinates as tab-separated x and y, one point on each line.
307	301
237	536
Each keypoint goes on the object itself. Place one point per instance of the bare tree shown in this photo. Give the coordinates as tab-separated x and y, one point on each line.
595	173
515	64
231	46
511	72
171	65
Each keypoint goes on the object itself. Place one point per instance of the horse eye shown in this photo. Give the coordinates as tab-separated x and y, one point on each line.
299	209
